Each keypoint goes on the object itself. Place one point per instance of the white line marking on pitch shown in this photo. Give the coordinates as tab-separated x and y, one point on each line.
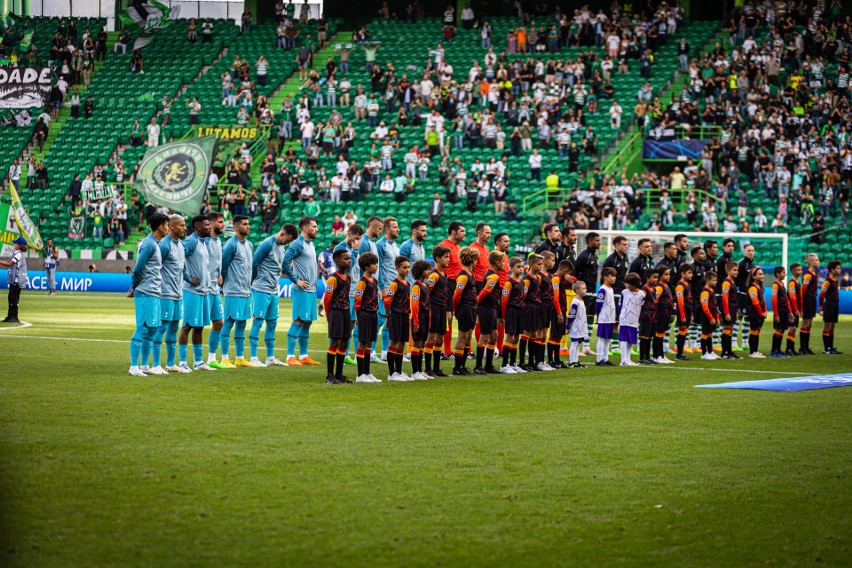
730	370
24	325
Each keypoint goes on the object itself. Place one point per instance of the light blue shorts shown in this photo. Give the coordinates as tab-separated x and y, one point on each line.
237	308
195	312
171	310
147	310
214	307
304	305
264	305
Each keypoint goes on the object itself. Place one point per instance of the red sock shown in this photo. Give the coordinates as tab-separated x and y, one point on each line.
501	329
448	340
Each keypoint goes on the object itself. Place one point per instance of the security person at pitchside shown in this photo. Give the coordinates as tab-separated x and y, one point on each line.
17	278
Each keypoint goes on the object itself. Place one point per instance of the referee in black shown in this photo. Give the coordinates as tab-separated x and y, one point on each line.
745	267
586	270
618	261
568	248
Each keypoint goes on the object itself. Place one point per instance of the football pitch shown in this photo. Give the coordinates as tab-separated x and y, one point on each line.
260	467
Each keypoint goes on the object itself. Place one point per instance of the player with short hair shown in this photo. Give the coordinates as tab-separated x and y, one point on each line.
618	261
300	266
366	309
464	308
586	270
265	272
397	303
829	306
648	316
730	309
488	302
746	265
548	309
214	297
420	313
699	269
756	311
512	311
709	315
683	295
387	251
336	303
631	308
455	237
171	297
605	310
810	282
578	331
438	303
794	293
196	283
145	288
782	313
368	244
237	255
643	261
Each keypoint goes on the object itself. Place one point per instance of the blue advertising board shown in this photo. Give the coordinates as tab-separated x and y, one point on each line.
106	282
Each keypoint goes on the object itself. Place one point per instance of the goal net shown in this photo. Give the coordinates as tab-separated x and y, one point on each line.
770	249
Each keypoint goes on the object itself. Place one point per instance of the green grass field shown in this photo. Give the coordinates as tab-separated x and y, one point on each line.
259	467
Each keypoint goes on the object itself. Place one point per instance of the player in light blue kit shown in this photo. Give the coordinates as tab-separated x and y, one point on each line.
387	250
300	266
146	281
196	282
171	296
351	244
266	270
214	298
236	281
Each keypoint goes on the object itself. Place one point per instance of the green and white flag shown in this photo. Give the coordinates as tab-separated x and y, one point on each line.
28	229
27	41
150	17
175	175
9	20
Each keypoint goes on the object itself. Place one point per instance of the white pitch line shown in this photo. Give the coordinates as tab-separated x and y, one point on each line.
24	325
730	370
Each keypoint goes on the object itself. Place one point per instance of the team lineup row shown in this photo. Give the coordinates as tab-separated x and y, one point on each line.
522	311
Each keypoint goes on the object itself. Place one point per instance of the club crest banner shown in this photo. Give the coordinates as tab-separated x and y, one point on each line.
77	227
175	175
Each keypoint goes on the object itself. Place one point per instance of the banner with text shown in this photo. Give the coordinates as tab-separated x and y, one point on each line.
24	87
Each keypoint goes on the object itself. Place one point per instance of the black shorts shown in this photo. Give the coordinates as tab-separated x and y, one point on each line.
368	326
589	302
734	317
421	333
662	323
339	324
707	327
685	322
755	322
487	320
398	327
533	317
646	328
514	320
830	312
438	320
809	310
466	317
783	322
557	330
795	323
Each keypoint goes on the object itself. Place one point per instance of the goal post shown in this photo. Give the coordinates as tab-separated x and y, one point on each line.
770	249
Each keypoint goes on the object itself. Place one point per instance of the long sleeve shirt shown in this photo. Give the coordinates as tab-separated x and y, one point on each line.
387	251
196	265
147	277
172	254
214	263
266	266
236	268
300	263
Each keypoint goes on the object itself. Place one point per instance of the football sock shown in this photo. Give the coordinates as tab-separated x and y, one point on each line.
269	337
197	353
292	337
436	359
574	351
745	332
240	338
367	361
225	337
136	342
147	345
330	358
522	350
157	342
489	355
753	340
501	330
480	351
826	340
681	339
459	358
448	340
183	350
776	341
171	341
624	349
791	341
338	368
805	338
427	356
254	336
212	345
359	360
304	336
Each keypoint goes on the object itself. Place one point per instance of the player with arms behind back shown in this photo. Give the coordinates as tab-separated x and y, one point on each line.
829	307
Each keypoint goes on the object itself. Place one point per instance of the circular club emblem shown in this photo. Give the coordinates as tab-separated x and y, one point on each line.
175	173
